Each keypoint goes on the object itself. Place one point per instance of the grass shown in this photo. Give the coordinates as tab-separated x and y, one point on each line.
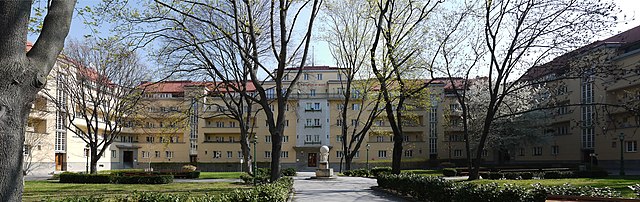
616	182
40	190
220	175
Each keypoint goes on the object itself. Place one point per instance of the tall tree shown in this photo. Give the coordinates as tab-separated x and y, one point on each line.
522	34
349	36
96	90
251	27
396	60
24	74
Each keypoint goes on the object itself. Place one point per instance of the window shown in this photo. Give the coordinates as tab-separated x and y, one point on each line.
306	77
285	138
308	138
240	155
232	124
408	153
316	106
355	106
157	154
457	152
563	110
563	130
379	123
169	154
284	154
312	92
319	76
355	94
114	154
382	154
379	138
405	138
340	106
357	154
309	106
316	138
521	153
632	146
339	76
286	123
285	77
145	154
217	154
555	150
229	154
309	123
454	107
485	153
562	89
174	139
339	154
354	122
338	138
219	124
537	151
267	154
267	138
339	122
150	139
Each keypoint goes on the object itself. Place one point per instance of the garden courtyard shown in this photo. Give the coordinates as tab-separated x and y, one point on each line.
217	183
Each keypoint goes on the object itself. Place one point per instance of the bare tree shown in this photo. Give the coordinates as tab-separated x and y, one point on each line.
24	74
349	37
396	62
250	26
522	34
96	91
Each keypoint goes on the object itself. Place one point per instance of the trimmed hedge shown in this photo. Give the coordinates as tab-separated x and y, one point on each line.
176	174
278	192
362	172
377	171
288	172
449	172
545	175
69	177
422	188
157	179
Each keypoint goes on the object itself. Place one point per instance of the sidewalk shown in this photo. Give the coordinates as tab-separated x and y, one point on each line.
339	189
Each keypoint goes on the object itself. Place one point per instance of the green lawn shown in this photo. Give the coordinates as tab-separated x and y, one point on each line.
615	182
220	175
39	190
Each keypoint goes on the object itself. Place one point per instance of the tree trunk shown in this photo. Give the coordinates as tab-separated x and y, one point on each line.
347	162
15	104
397	154
93	169
276	148
246	152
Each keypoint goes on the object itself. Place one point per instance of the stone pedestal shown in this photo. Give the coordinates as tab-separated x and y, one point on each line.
324	173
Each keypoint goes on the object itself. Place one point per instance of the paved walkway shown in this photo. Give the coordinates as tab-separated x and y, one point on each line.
339	189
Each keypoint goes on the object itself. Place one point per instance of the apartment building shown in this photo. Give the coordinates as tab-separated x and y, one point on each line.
183	121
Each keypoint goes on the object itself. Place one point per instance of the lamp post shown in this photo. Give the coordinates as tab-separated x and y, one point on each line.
255	160
87	151
621	137
368	146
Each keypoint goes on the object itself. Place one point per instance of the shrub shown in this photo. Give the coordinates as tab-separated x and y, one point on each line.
188	168
552	175
434	189
362	172
157	179
68	177
526	175
495	175
484	175
377	171
288	172
449	172
277	191
347	173
153	197
78	199
594	173
512	175
262	175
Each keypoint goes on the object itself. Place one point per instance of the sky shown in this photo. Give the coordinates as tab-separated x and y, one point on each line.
320	54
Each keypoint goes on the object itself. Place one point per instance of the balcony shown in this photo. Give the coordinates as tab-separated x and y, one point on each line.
313	126
312	142
312	110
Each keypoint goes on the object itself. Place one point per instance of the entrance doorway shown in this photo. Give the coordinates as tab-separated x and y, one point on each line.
127	159
312	160
193	159
60	161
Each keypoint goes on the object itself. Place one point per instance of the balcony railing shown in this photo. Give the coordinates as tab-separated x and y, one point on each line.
312	126
312	142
